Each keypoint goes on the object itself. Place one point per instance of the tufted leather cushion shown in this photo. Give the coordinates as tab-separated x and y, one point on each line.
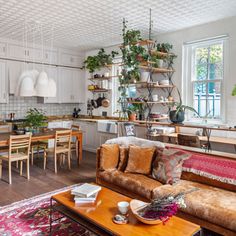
136	183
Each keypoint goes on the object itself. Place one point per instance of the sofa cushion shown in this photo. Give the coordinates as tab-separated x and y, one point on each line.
212	167
124	154
109	156
136	183
140	160
212	204
167	167
205	180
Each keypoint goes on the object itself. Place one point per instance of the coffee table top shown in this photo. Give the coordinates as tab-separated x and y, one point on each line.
101	212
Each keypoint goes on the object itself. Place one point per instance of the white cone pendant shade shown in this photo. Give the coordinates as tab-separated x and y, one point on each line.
33	74
26	88
41	86
52	88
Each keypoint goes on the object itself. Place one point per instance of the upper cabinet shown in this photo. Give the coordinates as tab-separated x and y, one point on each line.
72	85
69	59
3	82
50	57
3	49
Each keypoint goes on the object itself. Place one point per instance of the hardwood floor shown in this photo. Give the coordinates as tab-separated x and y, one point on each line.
45	181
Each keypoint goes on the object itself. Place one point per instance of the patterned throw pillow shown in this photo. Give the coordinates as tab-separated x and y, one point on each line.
167	167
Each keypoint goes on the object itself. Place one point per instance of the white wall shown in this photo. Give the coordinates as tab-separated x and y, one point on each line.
226	26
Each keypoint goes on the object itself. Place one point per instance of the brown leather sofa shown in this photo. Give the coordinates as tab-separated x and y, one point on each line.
212	206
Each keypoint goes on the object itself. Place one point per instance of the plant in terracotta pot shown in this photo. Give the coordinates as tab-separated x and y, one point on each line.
132	110
178	114
35	119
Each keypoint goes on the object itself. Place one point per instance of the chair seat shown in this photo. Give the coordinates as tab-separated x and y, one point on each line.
39	144
60	149
14	156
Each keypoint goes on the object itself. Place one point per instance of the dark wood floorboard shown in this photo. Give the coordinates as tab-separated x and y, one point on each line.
45	181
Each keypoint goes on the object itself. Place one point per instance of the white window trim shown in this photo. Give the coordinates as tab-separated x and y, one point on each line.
187	68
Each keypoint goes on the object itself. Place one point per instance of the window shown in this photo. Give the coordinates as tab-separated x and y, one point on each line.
204	75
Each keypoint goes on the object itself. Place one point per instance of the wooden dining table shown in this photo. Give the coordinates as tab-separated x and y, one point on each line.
46	135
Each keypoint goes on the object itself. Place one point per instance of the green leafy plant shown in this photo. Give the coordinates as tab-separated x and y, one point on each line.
234	91
164	47
132	37
93	63
180	107
35	118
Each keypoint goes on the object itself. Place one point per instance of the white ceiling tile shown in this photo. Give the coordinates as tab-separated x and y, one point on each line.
87	24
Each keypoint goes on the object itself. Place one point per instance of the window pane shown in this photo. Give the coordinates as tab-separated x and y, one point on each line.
216	62
200	98
201	63
214	99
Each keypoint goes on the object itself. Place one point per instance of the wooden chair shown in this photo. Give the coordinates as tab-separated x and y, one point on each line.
62	147
39	145
188	140
74	143
19	150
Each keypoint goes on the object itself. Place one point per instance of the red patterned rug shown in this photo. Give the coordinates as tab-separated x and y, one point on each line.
30	217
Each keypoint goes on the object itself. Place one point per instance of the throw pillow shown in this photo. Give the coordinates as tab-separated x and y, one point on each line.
124	155
167	167
109	156
140	160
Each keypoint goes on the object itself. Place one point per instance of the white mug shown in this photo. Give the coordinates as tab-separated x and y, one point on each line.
155	97
123	207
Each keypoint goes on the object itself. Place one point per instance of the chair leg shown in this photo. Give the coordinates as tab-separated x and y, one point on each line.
55	163
76	149
44	160
21	167
17	164
28	171
68	156
0	169
32	156
9	170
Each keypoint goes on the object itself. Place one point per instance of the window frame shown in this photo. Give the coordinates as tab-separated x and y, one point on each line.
188	68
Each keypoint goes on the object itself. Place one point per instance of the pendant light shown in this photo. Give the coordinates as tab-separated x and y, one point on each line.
26	88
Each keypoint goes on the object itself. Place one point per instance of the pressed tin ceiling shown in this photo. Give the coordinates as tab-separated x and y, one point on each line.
89	24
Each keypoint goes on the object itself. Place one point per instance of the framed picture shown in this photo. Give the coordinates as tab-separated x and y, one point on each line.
129	129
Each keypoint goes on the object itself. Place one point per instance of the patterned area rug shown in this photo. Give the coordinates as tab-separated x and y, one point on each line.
30	217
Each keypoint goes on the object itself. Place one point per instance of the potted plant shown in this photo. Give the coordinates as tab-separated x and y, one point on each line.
178	114
35	119
131	110
93	63
234	91
132	37
164	47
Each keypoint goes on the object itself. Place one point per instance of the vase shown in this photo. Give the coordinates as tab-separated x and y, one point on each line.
176	118
132	117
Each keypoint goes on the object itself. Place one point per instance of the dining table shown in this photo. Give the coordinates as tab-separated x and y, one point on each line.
45	135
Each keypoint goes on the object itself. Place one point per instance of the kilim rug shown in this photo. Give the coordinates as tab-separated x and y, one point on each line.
30	217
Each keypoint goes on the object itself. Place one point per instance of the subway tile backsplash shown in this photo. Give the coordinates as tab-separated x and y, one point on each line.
20	106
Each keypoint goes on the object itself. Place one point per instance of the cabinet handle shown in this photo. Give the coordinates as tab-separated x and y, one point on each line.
28	53
71	59
46	55
25	52
4	49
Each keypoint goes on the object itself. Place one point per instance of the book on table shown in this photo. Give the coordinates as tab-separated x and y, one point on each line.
85	193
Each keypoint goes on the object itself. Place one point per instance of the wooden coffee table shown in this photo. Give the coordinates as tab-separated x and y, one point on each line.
97	217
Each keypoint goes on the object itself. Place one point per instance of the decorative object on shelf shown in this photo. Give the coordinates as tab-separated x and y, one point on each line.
34	120
234	91
131	110
159	210
178	114
93	63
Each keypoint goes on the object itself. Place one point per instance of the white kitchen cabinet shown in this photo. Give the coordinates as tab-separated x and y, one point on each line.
78	86
3	49
21	53
50	57
70	60
3	82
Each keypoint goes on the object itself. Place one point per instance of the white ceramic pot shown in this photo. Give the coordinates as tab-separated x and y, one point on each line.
145	75
160	63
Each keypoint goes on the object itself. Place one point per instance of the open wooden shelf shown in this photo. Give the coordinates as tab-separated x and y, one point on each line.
161	54
156	70
100	90
148	102
104	78
144	42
